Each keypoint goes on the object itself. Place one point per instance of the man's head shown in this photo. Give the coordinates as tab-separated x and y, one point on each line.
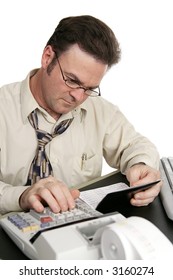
74	61
92	36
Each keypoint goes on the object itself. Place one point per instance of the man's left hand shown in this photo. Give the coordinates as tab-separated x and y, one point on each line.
140	174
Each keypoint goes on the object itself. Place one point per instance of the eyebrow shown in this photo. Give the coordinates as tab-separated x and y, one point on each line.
73	76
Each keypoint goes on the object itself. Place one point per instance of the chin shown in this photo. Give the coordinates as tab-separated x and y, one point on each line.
63	112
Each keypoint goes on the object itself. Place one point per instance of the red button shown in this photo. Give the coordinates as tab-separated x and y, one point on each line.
46	219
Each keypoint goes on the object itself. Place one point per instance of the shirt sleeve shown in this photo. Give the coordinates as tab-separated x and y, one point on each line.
9	197
124	146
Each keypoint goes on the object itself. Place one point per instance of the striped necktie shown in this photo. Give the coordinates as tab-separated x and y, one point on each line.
40	166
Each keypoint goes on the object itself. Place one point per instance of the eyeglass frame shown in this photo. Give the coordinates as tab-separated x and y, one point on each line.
92	93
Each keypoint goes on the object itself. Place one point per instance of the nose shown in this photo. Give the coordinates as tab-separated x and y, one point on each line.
78	94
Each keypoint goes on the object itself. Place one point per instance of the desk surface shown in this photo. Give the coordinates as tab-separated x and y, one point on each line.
153	212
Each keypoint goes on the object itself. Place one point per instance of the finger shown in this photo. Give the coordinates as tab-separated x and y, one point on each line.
62	195
70	196
151	192
145	180
75	193
142	176
141	202
145	197
34	203
50	200
55	196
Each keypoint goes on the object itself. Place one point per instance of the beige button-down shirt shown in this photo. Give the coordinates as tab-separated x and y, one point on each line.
98	130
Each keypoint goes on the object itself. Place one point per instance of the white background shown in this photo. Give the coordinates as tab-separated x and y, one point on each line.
141	84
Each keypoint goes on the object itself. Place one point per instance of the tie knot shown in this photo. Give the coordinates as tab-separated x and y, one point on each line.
43	137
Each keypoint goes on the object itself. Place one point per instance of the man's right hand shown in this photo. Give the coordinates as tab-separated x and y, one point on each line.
48	191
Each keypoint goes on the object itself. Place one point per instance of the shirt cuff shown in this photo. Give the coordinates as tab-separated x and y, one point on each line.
9	201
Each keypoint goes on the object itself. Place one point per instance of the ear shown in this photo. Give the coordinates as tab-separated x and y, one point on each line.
47	56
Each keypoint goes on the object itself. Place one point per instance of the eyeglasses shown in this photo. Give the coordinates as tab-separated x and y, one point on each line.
74	85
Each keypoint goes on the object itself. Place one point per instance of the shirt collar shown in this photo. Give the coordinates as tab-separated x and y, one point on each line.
28	102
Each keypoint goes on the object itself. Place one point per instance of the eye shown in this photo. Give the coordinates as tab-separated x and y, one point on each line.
72	81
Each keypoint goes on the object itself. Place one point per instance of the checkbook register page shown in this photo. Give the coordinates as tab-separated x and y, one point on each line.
118	192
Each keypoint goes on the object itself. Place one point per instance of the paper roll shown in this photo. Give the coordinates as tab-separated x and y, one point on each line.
134	238
115	245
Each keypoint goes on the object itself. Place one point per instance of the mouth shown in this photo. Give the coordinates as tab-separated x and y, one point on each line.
68	102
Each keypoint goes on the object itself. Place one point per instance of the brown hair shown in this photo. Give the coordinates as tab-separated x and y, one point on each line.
91	34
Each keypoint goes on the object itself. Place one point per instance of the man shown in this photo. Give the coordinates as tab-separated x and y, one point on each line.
56	128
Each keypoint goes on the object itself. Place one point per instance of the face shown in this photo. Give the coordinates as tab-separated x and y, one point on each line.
53	94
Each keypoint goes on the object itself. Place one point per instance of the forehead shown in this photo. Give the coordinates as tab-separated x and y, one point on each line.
82	65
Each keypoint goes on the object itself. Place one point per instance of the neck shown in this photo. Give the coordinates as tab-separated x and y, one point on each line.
36	92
